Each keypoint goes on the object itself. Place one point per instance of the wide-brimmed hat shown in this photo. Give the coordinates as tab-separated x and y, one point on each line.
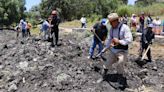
113	16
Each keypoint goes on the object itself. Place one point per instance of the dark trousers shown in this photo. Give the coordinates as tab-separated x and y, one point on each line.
55	36
83	25
28	32
23	33
144	47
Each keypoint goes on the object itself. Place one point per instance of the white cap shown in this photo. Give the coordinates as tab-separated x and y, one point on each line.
151	25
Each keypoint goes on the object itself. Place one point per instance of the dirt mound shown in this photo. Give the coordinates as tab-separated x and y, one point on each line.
33	66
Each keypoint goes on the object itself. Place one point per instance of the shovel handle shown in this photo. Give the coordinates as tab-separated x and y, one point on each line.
145	52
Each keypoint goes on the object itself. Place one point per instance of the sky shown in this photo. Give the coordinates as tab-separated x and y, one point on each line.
30	3
131	2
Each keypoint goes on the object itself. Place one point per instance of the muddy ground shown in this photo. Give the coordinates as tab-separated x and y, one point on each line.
33	66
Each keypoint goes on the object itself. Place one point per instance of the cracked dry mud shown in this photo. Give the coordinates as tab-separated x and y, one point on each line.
33	66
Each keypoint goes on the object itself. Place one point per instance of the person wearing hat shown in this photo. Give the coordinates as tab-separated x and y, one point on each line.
100	33
147	38
55	28
120	37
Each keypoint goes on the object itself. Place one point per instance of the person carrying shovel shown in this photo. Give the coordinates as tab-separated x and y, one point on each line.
100	33
120	37
146	40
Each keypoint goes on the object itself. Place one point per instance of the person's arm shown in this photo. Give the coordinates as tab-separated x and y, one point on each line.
127	36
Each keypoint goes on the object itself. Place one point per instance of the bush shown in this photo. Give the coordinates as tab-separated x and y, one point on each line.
124	10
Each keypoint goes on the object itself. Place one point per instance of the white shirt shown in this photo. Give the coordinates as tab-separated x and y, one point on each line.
83	20
125	37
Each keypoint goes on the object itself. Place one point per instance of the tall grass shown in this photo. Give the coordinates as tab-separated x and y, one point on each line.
156	9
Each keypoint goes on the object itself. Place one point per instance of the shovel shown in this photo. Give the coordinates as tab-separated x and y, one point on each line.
145	53
141	61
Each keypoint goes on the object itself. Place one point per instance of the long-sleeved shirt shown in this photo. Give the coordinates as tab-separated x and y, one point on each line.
147	36
45	26
125	36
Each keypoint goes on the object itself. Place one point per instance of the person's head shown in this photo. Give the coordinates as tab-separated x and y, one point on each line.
113	19
133	15
157	18
54	13
21	21
49	19
142	13
103	22
150	27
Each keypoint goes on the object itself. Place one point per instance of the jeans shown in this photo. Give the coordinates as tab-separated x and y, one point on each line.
94	43
23	33
141	28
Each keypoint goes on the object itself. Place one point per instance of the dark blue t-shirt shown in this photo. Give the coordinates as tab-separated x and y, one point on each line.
101	31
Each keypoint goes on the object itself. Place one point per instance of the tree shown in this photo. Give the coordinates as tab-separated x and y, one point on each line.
11	11
74	9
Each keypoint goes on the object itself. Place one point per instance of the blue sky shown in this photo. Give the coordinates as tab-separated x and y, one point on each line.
30	3
131	2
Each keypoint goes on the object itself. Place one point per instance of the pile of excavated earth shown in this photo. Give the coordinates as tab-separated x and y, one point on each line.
31	65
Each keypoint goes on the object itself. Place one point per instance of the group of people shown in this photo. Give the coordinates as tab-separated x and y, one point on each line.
50	28
119	38
24	27
140	24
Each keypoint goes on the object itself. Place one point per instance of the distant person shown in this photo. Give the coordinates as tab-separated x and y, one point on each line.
99	31
146	39
157	23
163	25
125	19
23	25
83	22
28	28
142	21
149	20
18	30
55	28
133	22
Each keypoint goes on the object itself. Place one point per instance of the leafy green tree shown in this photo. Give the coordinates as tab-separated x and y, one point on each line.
11	11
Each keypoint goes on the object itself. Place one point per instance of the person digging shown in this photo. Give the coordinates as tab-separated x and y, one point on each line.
120	37
147	38
100	33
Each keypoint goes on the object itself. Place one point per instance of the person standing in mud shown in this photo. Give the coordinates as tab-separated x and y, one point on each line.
28	27
100	33
45	29
55	28
146	39
23	25
119	38
18	30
